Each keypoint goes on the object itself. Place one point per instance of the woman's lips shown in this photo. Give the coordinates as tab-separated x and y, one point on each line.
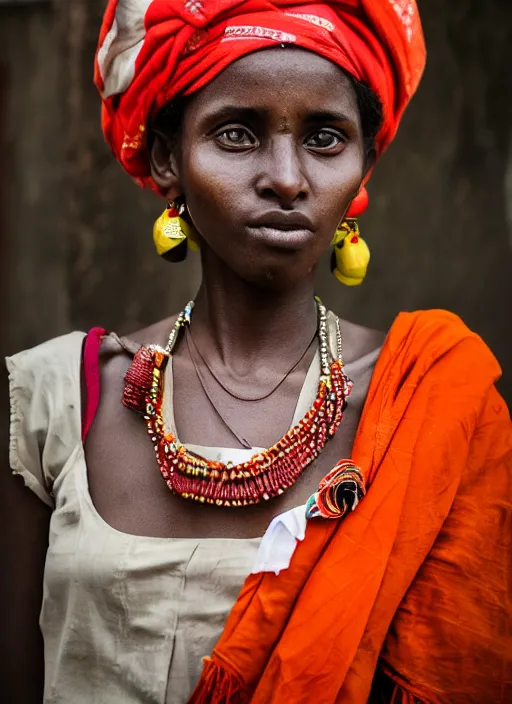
284	238
282	228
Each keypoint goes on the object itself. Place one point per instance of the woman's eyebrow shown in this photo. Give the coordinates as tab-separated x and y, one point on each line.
233	112
252	114
328	116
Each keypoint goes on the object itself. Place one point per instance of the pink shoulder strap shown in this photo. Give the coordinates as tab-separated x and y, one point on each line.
91	376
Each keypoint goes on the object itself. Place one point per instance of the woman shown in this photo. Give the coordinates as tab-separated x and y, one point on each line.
381	578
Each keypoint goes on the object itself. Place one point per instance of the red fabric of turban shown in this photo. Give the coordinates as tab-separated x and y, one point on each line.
152	50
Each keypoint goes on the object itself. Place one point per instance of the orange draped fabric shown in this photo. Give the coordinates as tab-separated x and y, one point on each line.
416	582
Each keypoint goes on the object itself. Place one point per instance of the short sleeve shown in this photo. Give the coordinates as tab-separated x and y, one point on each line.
44	385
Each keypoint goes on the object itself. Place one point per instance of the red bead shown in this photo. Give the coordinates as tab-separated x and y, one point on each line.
359	204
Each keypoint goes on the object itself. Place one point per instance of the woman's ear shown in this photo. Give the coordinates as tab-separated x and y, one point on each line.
164	166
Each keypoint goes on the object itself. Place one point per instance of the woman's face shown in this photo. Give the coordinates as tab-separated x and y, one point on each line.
271	155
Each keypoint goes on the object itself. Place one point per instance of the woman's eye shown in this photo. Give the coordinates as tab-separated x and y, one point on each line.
236	138
326	141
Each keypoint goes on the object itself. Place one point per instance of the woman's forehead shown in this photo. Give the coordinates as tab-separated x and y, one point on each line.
291	78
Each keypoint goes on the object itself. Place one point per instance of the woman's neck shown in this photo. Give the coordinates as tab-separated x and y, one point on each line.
241	324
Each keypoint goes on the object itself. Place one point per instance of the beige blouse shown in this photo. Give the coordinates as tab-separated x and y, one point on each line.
124	618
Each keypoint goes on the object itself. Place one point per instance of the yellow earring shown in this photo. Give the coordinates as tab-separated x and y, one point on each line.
351	254
170	230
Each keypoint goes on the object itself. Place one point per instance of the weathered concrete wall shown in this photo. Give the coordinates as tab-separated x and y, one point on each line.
76	233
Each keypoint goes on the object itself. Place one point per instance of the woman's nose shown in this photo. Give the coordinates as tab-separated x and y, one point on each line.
282	178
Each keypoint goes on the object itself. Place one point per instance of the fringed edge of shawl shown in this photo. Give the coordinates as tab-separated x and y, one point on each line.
218	685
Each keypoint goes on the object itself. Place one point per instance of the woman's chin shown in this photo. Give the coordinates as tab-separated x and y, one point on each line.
264	267
277	278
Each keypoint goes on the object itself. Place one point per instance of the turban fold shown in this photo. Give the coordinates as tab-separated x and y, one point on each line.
153	50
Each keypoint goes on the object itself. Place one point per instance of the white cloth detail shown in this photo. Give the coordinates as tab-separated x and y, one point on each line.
224	454
280	540
122	45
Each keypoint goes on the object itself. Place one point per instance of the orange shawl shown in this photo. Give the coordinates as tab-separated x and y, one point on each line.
418	578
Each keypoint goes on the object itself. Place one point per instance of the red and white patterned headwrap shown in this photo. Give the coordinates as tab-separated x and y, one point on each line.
153	50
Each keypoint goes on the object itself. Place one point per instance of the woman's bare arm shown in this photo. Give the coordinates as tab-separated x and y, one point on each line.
24	526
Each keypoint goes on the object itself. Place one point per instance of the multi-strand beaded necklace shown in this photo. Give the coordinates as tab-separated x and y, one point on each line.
268	473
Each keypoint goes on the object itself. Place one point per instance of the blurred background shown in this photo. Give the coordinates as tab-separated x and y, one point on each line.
75	233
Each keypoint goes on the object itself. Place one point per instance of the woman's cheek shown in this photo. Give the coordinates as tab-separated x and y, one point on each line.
215	185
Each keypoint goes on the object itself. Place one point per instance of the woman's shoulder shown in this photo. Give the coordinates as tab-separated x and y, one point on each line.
433	318
434	349
433	333
50	354
49	372
116	351
45	427
154	334
359	341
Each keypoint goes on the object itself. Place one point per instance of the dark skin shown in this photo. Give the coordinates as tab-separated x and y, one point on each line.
274	151
253	142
